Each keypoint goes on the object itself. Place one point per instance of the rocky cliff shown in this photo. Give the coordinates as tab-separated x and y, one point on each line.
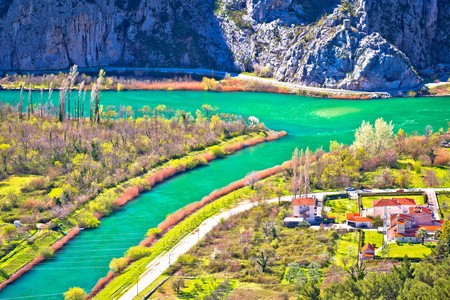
352	44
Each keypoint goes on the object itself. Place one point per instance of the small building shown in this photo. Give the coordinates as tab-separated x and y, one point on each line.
305	208
355	220
291	222
367	252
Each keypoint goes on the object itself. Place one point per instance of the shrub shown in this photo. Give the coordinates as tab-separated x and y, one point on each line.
87	220
154	231
217	151
75	293
138	252
117	265
412	94
47	252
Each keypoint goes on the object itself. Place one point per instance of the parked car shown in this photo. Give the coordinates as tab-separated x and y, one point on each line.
400	191
349	189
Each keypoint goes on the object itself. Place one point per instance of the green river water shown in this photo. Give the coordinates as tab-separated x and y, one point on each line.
308	122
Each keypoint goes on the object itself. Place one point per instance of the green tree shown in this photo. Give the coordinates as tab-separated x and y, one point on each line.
4	152
47	252
423	234
138	252
357	272
262	260
117	265
75	293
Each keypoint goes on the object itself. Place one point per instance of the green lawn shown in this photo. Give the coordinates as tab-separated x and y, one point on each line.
347	247
339	207
444	203
412	250
374	238
367	201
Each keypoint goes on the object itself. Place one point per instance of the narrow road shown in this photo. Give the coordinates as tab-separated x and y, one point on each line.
158	266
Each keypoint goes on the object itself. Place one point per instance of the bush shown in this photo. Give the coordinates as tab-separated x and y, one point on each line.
138	252
75	293
117	265
87	220
154	231
47	252
217	151
412	94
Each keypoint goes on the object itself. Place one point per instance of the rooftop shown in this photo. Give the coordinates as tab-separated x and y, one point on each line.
355	217
304	201
368	246
384	202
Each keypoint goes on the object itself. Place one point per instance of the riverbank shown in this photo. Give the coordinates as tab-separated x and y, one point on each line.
176	226
131	189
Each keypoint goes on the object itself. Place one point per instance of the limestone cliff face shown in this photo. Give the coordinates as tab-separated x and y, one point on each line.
300	41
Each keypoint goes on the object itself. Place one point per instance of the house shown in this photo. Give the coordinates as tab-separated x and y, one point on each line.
355	220
305	208
393	206
404	227
367	252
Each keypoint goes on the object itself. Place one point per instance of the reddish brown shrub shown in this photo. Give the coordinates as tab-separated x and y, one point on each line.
442	158
101	283
61	242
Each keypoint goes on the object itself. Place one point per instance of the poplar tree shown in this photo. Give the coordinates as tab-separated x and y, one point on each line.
21	102
72	77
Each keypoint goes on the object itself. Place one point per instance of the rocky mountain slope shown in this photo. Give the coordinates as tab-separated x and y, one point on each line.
380	46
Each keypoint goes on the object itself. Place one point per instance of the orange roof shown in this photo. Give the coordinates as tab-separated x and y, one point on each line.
406	217
354	217
428	227
384	202
304	201
405	201
406	234
368	246
401	221
417	210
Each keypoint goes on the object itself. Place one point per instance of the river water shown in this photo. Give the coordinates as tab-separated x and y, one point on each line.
308	121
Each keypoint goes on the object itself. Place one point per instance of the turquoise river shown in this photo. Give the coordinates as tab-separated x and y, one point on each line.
308	122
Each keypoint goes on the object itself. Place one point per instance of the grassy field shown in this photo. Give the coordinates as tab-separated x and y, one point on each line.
227	258
444	203
25	252
367	201
339	207
347	250
412	250
374	238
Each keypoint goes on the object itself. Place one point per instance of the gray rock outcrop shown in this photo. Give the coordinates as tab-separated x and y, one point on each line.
302	41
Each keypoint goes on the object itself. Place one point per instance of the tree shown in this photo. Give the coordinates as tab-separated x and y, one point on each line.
310	291
357	272
295	167
138	252
75	293
263	260
405	271
47	252
178	284
437	234
423	234
21	101
251	179
117	265
4	152
209	110
72	77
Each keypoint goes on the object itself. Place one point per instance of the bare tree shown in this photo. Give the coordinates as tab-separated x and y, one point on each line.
41	101
78	107
62	99
295	164
300	174
307	162
72	77
251	179
49	101
21	102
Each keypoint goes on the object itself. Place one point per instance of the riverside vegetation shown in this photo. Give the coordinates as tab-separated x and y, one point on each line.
56	159
377	158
